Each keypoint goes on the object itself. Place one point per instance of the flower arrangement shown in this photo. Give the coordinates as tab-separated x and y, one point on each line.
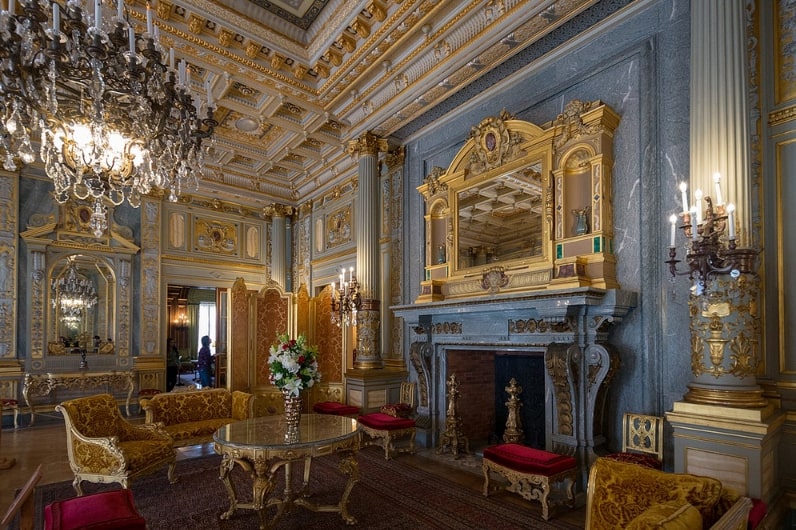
293	364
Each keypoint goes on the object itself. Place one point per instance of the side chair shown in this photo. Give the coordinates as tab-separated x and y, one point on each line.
102	446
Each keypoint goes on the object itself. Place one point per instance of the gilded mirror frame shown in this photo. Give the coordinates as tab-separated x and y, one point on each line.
557	176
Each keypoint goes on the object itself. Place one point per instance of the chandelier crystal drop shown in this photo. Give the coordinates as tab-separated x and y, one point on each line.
111	120
73	293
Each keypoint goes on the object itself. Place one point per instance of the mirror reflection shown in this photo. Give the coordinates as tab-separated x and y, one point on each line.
501	219
81	304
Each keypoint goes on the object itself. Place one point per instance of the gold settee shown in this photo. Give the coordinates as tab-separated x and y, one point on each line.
191	418
630	496
104	447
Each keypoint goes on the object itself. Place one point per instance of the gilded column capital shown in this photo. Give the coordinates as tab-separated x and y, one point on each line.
367	144
278	210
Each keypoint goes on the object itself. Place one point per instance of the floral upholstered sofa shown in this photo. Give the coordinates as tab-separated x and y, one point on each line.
191	418
629	496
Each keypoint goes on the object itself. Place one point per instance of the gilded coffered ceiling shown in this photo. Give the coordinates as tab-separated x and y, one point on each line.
295	80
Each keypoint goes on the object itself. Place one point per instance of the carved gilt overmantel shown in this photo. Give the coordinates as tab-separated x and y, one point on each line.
523	207
519	258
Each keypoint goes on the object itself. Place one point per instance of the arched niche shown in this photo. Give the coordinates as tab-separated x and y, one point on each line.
523	207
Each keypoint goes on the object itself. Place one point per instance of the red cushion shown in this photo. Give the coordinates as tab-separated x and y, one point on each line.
333	407
528	460
757	513
398	410
110	510
385	422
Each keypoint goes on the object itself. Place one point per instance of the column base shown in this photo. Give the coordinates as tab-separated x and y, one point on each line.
371	389
737	446
747	399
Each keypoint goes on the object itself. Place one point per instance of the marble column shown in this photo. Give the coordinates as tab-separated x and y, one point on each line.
278	214
719	108
366	148
724	426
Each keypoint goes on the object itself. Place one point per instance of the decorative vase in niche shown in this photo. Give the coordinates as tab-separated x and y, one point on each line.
440	253
581	221
292	416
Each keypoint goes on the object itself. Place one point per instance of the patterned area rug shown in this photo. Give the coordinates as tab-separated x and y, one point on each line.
390	494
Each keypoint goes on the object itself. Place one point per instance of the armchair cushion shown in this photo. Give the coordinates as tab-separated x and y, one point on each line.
669	516
619	492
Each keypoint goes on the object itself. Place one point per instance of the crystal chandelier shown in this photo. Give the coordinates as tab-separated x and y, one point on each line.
112	116
73	293
346	301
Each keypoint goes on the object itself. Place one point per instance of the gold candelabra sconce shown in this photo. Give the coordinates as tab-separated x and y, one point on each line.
346	301
708	251
181	321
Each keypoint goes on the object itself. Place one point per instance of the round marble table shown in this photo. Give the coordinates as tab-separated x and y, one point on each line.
261	447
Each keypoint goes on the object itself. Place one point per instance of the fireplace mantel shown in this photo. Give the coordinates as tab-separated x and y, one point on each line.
570	326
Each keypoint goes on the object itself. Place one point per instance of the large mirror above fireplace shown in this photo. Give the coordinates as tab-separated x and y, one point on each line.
523	207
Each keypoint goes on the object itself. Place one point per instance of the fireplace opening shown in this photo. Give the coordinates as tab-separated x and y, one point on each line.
528	371
483	377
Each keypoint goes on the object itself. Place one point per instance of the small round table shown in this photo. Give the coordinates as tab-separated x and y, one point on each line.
259	445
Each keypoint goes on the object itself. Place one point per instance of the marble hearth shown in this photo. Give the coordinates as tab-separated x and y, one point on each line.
569	329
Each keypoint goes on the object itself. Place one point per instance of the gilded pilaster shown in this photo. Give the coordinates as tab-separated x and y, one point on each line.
151	317
9	254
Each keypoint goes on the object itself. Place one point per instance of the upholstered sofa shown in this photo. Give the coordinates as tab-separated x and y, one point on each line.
191	418
629	496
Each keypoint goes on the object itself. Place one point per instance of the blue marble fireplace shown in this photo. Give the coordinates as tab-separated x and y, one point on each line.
564	334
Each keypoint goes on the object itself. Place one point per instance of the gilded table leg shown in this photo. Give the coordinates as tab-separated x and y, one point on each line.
348	466
227	463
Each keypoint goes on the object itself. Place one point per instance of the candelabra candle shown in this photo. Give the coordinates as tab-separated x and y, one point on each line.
717	182
683	188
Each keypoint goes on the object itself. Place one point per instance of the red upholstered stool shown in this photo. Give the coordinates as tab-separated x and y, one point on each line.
383	430
531	472
12	405
110	510
335	408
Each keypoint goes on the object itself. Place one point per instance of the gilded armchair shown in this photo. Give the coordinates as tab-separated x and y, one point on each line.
104	447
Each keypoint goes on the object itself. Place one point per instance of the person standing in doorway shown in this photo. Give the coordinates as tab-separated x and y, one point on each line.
172	364
205	363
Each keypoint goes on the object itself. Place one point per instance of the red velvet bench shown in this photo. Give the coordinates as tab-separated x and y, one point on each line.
336	409
109	510
383	430
532	473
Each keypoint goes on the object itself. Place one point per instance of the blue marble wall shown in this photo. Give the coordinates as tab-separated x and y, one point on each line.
638	63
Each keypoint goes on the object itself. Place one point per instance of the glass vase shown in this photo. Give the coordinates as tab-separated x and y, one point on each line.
292	416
